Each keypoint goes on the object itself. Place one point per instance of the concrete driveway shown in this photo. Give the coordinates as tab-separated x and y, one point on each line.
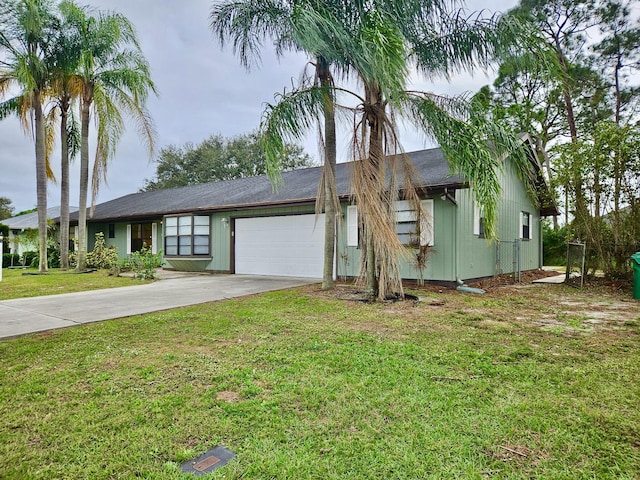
36	314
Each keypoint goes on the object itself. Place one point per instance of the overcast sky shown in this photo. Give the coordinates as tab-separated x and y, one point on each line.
202	90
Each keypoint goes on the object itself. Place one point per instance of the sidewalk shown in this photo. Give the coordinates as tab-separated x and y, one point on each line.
36	314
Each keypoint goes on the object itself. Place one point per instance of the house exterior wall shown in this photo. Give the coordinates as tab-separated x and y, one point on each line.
477	257
220	231
457	252
517	200
119	241
441	261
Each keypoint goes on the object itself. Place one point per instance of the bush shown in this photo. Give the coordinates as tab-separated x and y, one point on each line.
10	259
28	257
101	256
144	263
554	245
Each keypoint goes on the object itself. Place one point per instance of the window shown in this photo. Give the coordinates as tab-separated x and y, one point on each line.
187	236
141	236
478	221
525	225
410	232
112	230
407	228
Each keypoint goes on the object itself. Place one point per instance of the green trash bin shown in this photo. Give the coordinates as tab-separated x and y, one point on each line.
635	262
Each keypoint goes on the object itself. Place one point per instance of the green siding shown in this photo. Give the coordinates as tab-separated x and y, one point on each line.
441	262
119	241
476	256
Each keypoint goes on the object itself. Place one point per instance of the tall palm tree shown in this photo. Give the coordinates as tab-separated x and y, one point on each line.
115	79
247	24
27	28
65	88
378	42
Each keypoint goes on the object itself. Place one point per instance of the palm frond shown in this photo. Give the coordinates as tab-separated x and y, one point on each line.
294	114
247	25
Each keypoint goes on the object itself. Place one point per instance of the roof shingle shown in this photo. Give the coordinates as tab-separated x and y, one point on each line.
299	186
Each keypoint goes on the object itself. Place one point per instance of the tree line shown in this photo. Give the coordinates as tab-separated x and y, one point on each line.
585	114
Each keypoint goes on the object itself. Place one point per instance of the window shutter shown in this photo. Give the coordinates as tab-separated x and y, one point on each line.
476	219
352	226
426	226
129	239
154	238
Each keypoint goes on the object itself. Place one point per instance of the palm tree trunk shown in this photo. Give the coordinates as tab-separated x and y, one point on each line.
84	186
64	187
41	181
329	172
376	164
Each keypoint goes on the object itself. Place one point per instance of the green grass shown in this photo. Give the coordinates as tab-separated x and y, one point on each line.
21	283
300	386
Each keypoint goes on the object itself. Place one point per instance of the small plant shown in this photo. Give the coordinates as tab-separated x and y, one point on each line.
28	258
101	256
144	263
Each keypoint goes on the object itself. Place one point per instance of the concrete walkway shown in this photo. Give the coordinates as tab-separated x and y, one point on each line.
36	314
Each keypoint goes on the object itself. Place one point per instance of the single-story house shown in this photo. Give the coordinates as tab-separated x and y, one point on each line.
243	226
19	225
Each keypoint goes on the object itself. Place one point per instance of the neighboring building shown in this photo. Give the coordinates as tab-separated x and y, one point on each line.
18	226
244	226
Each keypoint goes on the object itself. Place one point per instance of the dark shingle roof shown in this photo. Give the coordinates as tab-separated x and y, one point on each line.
299	186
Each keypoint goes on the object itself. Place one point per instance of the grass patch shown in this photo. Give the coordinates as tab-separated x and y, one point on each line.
299	385
17	285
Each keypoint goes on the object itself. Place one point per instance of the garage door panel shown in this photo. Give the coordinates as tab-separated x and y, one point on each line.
285	245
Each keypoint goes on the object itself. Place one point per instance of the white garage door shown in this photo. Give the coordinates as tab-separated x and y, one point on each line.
290	246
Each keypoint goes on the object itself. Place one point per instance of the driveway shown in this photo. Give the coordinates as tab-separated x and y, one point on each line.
36	314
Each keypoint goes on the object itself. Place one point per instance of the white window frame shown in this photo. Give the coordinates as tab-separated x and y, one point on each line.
406	214
194	233
529	225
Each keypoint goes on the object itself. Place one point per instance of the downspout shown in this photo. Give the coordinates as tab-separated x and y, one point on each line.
456	258
540	244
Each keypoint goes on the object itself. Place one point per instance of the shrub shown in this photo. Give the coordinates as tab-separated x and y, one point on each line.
101	256
554	245
144	263
10	259
28	257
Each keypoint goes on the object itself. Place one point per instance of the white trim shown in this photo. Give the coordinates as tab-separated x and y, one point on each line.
522	213
154	238
476	218
128	239
426	227
352	226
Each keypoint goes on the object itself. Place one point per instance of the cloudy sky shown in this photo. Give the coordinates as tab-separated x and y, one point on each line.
202	90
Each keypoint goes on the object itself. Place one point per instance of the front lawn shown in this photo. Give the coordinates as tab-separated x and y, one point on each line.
21	283
520	383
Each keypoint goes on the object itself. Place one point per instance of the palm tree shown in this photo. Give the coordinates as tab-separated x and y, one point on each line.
246	24
65	88
27	28
115	79
378	41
